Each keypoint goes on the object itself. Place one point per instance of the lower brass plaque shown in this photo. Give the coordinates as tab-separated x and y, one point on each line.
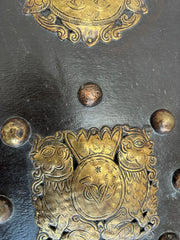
96	184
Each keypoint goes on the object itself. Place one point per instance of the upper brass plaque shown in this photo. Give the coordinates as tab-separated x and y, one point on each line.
96	184
90	20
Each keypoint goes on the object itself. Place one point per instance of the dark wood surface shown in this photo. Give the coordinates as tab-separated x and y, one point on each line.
39	80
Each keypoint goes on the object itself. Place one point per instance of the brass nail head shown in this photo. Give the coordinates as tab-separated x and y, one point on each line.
169	236
90	94
6	209
15	132
162	121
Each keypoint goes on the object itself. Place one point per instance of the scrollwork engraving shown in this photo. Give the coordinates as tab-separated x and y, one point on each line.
110	191
89	20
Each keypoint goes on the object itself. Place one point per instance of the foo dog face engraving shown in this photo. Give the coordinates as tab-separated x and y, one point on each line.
89	20
96	184
135	150
52	156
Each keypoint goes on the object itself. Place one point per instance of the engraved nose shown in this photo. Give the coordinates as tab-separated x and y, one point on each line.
33	154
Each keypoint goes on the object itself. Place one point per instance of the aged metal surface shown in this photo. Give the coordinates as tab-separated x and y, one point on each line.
90	20
15	132
109	191
40	77
176	179
6	209
90	94
162	121
169	236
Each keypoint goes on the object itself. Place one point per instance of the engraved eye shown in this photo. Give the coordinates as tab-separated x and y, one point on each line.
63	153
139	143
48	151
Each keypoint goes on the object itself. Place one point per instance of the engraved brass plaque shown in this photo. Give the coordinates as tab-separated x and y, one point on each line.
89	20
96	184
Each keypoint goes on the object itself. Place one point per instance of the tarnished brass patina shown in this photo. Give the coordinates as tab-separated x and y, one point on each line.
162	121
90	94
90	20
176	179
96	184
169	236
6	209
15	132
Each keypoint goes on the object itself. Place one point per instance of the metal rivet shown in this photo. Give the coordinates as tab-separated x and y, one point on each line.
162	121
176	179
90	94
15	132
6	209
169	236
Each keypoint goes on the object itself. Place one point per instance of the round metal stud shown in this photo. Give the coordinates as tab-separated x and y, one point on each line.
169	236
176	179
162	121
6	209
15	132
90	94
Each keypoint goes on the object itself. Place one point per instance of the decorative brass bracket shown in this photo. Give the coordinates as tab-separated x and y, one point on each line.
96	184
90	20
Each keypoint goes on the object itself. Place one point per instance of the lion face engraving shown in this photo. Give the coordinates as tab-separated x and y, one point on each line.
135	149
53	157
